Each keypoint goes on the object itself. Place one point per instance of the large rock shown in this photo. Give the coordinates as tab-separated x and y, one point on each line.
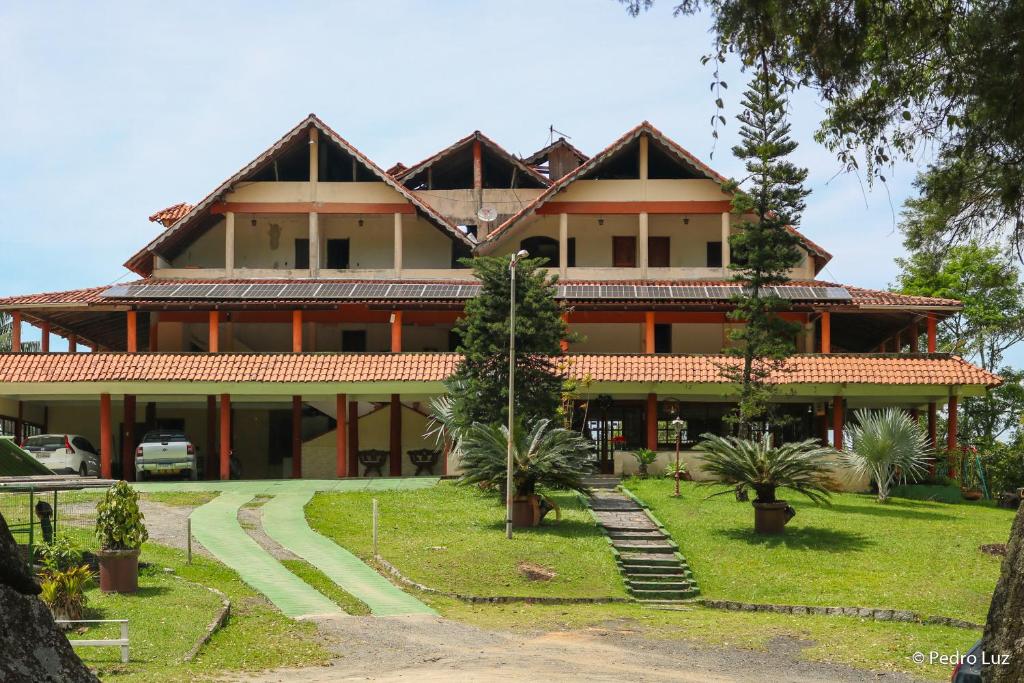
32	648
1004	630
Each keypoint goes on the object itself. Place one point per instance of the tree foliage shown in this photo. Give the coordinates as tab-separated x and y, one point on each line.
900	78
479	388
987	281
764	250
888	446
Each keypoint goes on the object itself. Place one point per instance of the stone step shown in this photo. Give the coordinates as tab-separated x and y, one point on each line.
659	585
653	569
638	534
663	595
637	546
629	560
663	577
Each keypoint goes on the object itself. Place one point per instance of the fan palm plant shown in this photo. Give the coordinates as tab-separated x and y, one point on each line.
755	464
889	446
543	456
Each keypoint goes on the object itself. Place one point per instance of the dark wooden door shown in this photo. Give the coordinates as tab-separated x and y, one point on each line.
657	252
624	251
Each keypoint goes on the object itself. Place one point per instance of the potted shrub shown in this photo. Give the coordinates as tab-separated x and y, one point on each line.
645	457
889	446
744	464
121	533
542	456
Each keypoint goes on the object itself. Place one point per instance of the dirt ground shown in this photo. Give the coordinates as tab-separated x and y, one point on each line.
424	648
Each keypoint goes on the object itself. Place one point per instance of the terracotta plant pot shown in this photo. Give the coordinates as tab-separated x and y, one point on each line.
770	518
119	570
525	511
971	494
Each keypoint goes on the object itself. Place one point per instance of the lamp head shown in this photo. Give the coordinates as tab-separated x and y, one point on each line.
519	255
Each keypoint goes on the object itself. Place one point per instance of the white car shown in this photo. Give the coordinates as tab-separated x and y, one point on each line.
64	453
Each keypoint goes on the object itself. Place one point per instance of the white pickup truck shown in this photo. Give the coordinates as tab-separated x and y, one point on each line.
165	452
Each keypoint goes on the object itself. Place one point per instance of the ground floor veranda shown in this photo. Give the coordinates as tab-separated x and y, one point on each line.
256	429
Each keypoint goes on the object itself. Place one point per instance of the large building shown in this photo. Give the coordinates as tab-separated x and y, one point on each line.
301	314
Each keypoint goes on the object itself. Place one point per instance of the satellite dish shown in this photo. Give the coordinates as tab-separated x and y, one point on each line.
487	214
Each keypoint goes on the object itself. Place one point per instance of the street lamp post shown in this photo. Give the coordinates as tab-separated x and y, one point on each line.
678	425
521	254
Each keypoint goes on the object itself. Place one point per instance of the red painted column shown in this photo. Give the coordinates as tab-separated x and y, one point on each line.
353	438
214	345
128	439
838	421
211	437
649	332
932	333
106	438
132	320
826	332
341	455
652	421
933	425
225	436
297	331
15	331
44	343
296	437
395	469
951	425
396	331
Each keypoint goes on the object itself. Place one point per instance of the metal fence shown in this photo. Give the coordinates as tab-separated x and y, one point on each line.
35	514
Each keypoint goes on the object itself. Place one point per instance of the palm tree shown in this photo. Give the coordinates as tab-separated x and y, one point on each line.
542	456
755	464
889	446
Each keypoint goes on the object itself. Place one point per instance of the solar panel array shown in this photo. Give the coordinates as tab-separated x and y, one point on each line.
292	291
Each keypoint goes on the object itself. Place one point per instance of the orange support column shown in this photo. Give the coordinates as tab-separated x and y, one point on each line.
297	331
932	333
826	332
16	332
838	421
649	332
353	438
296	437
44	344
214	345
211	437
951	425
132	320
395	469
128	439
106	439
225	436
396	331
652	421
341	455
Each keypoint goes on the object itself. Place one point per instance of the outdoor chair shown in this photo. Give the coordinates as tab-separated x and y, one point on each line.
425	460
373	461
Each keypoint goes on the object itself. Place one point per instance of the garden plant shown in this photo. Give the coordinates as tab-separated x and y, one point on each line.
889	446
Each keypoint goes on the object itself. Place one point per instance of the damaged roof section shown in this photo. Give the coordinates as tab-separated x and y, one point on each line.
456	168
556	160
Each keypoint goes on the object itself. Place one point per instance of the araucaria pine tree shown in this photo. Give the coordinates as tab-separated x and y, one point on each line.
764	249
479	388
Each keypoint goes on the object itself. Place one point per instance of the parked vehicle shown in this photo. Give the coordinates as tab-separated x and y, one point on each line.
64	453
968	669
166	452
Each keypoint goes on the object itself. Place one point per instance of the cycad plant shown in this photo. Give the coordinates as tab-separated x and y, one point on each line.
889	446
543	456
63	590
756	464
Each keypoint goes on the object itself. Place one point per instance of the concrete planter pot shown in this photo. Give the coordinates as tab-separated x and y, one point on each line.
770	518
119	570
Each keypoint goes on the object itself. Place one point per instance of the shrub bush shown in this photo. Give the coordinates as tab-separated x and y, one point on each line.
1004	465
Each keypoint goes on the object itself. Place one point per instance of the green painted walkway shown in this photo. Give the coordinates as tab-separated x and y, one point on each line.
284	520
215	525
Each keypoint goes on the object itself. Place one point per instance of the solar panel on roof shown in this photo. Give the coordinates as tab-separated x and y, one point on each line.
365	289
305	290
406	291
264	291
336	290
193	291
229	291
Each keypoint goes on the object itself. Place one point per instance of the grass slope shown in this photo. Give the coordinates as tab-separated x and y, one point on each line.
905	554
452	538
323	583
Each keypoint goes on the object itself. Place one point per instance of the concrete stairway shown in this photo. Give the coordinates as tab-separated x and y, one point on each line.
648	558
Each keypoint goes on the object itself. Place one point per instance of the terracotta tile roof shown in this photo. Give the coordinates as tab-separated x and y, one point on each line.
139	262
934	369
542	153
861	297
487	142
171	215
396	169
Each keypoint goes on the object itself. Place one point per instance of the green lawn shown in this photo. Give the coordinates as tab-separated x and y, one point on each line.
452	538
885	646
323	583
906	554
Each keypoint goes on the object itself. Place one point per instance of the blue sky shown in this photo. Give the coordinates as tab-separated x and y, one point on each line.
116	110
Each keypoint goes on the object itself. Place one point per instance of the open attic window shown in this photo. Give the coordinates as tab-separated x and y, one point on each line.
290	165
454	171
662	165
500	173
623	165
338	166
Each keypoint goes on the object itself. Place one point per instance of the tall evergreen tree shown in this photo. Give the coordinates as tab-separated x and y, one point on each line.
764	250
479	388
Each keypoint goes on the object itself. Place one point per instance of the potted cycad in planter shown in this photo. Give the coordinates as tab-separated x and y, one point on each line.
747	464
121	533
543	456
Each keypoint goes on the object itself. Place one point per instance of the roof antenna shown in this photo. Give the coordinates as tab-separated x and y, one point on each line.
551	134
